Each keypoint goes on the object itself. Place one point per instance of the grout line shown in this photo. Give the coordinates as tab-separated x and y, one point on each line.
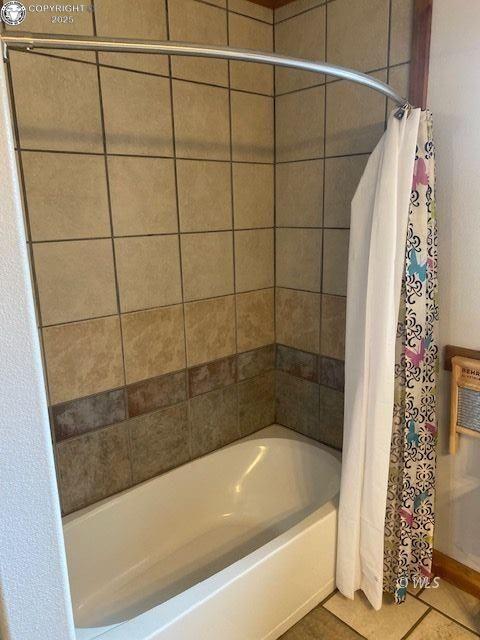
416	624
322	257
274	46
300	13
227	9
114	256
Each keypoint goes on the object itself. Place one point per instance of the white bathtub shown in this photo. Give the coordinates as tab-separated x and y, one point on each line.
237	545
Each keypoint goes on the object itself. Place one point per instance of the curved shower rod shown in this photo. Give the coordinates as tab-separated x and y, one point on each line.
30	41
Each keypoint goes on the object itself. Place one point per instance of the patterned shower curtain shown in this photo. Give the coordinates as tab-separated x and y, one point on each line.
409	516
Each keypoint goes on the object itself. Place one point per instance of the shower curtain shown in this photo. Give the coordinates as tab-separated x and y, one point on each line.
388	471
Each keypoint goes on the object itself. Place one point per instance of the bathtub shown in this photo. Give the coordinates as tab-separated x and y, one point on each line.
237	545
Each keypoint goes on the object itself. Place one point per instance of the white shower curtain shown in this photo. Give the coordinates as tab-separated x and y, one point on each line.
376	260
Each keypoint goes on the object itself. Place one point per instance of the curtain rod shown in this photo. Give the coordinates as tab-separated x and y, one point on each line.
30	41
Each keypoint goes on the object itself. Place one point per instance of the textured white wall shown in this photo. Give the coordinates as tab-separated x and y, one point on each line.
454	97
34	595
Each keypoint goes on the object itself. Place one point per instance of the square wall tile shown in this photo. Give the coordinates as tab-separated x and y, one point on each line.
252	127
297	404
207	264
332	373
297	363
399	79
302	37
256	403
358	34
297	316
210	329
75	280
401	31
299	189
342	176
331	417
253	195
294	8
115	19
93	467
137	111
202	124
204	195
213	420
355	117
299	124
66	89
299	258
254	259
160	441
83	358
255	319
333	327
148	270
79	209
153	342
245	33
142	192
335	261
192	21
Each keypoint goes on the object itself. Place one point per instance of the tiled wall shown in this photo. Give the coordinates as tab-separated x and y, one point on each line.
325	130
149	197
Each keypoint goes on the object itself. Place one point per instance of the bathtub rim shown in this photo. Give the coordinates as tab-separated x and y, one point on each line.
146	625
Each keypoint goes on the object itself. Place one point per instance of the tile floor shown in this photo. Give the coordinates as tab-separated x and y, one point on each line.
445	613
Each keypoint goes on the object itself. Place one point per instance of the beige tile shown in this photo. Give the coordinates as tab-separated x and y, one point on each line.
207	264
115	19
399	79
299	124
255	319
253	195
252	127
204	195
355	117
41	22
358	34
333	327
297	320
74	102
148	270
213	420
401	31
202	127
256	403
437	627
293	8
299	258
83	358
79	209
390	623
210	329
248	8
245	33
192	21
254	259
137	111
320	623
142	192
153	342
302	37
342	176
335	261
75	280
93	467
455	603
299	188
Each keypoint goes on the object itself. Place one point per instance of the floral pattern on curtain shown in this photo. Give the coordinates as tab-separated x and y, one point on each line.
409	517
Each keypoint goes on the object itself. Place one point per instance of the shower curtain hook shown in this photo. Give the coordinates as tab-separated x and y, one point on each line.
404	109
